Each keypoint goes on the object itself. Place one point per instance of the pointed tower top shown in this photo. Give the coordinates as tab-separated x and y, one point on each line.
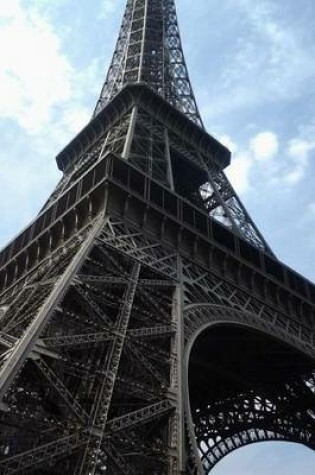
149	51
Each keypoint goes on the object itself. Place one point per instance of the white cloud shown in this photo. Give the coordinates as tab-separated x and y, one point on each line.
74	118
41	93
238	172
284	58
270	60
227	142
34	74
261	148
298	151
25	186
258	156
264	146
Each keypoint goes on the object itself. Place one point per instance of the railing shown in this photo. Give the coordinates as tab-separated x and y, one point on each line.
57	220
186	213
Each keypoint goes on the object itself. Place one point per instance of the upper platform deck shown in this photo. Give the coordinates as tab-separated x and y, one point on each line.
142	96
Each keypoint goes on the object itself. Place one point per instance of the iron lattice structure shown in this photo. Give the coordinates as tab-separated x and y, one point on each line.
149	50
146	326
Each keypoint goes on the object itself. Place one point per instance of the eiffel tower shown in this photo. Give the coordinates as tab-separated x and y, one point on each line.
146	325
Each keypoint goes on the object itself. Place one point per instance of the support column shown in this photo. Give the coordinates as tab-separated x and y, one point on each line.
169	162
177	427
130	133
26	343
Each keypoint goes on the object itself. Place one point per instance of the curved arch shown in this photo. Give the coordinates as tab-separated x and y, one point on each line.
199	318
265	442
245	439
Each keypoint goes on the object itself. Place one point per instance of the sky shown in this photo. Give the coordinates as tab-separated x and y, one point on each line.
252	67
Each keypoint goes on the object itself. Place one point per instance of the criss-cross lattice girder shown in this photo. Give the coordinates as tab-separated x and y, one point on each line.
149	50
145	325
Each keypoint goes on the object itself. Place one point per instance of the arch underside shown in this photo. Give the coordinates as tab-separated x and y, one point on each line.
245	385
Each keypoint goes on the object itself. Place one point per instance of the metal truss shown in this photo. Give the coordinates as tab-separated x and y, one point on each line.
223	425
107	356
94	366
211	298
147	143
247	418
109	298
149	51
224	205
91	342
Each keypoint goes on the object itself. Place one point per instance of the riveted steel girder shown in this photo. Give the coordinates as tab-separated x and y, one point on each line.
145	324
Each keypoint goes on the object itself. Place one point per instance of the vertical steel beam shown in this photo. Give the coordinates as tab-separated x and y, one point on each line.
130	133
27	342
